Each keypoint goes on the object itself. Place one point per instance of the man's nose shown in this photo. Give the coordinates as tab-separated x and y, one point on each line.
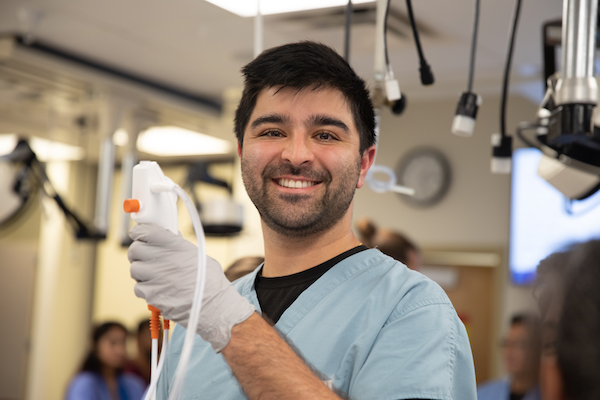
298	150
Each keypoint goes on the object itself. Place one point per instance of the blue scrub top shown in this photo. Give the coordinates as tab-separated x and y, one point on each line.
500	390
371	327
91	386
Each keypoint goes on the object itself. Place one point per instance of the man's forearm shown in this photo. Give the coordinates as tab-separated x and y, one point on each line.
267	368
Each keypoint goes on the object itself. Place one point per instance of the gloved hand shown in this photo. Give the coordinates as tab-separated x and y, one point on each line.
165	268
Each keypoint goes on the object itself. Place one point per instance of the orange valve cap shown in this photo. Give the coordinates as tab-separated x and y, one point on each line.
131	205
154	321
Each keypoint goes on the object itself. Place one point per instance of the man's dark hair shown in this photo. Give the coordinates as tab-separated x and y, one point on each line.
578	330
306	65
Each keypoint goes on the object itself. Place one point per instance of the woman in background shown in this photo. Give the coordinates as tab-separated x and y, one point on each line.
389	242
101	376
243	266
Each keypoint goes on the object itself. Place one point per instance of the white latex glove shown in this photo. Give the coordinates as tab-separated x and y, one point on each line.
165	267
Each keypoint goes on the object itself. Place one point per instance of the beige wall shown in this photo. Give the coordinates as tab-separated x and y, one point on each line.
63	286
474	214
19	244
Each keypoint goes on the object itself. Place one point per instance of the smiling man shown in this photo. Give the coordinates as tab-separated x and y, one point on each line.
324	317
300	197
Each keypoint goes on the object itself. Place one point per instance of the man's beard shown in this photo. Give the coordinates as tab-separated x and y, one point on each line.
319	215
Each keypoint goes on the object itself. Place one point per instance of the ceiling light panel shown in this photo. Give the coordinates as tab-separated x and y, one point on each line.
171	141
248	8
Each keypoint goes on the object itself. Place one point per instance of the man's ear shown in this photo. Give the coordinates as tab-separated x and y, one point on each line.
239	149
365	163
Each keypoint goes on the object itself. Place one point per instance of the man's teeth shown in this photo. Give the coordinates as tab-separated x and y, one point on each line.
290	183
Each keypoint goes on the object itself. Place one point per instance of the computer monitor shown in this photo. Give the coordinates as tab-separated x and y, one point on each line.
542	220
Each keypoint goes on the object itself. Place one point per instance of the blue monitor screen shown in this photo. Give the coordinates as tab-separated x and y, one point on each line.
543	220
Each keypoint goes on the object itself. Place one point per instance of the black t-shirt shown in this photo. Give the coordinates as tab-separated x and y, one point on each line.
275	295
516	396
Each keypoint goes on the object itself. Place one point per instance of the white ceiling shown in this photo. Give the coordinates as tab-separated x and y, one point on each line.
197	47
194	45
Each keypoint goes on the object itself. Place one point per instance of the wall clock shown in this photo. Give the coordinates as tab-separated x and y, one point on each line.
426	170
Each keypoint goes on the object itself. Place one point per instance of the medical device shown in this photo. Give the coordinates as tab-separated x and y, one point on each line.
424	68
154	201
564	129
502	143
386	91
469	102
154	335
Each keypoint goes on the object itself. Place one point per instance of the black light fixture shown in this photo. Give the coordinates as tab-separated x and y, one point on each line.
22	174
565	130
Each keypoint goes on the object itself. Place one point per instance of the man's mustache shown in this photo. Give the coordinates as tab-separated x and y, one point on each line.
288	169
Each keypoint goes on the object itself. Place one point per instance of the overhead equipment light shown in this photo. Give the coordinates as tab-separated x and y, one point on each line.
248	8
170	141
45	149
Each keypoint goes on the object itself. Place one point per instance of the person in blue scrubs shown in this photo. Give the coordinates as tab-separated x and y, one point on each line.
521	350
101	376
324	317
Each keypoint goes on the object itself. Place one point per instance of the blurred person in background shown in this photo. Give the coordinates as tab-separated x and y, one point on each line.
243	266
389	242
101	376
568	293
521	354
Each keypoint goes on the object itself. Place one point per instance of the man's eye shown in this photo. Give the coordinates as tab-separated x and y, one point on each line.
272	133
325	136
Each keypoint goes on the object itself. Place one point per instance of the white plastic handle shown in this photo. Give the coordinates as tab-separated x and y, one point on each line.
382	186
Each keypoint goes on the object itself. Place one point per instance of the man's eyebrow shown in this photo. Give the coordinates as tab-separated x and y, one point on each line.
315	120
320	120
270	119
